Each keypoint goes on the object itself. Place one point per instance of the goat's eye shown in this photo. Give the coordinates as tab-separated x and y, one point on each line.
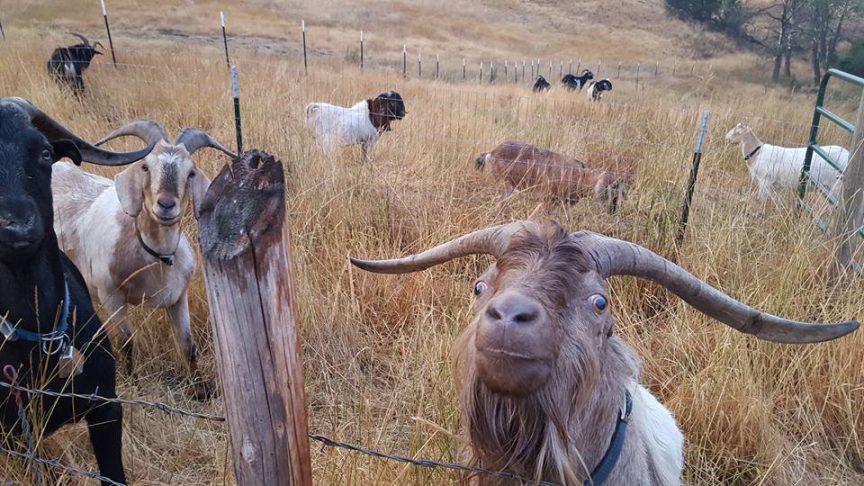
599	302
192	174
46	156
145	168
480	287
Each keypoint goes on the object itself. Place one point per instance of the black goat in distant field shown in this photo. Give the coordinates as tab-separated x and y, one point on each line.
541	85
67	64
577	82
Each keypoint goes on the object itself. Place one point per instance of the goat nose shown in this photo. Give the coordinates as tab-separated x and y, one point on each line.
514	309
166	203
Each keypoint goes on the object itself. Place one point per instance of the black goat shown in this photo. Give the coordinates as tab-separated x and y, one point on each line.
573	82
596	89
49	332
541	85
67	64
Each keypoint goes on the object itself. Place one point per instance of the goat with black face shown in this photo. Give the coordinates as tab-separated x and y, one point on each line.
49	335
67	64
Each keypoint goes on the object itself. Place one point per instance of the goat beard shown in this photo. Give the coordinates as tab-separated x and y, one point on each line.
528	436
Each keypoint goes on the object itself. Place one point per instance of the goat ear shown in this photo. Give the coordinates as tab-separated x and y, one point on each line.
66	148
198	187
130	189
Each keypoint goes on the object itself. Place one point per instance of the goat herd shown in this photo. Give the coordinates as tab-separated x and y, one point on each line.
547	389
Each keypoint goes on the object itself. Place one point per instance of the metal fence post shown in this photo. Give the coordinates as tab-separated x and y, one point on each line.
305	63
107	29
361	50
224	37
694	172
238	124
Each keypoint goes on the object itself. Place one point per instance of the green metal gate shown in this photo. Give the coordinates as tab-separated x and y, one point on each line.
814	147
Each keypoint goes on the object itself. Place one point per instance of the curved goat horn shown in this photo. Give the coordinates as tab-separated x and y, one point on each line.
194	139
147	130
617	257
81	36
490	241
55	131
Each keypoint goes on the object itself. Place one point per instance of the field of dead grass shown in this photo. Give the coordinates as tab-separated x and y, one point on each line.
376	348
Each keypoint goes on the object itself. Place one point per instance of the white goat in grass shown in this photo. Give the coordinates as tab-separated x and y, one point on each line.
774	168
360	124
125	235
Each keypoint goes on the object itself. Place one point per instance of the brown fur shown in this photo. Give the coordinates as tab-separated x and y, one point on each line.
377	115
528	167
561	431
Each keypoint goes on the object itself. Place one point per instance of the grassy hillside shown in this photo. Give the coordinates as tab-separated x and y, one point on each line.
377	348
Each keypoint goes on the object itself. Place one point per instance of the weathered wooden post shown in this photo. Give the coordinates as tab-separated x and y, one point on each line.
850	208
247	271
437	66
638	67
464	70
420	65
107	29
404	61
361	50
305	63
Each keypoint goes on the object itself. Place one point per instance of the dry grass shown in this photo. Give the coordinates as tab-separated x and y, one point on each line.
376	348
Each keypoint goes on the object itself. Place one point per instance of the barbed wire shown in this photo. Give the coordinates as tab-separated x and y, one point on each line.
57	464
426	463
163	407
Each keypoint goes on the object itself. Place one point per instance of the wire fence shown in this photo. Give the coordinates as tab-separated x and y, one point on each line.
32	454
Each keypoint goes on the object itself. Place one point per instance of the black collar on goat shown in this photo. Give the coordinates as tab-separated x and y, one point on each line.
31	264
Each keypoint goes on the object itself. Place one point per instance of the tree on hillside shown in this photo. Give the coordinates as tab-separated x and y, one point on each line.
786	15
826	20
715	13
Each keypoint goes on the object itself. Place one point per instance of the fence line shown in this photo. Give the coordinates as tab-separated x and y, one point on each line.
163	407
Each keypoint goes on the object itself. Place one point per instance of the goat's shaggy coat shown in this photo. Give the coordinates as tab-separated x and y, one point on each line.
542	376
361	124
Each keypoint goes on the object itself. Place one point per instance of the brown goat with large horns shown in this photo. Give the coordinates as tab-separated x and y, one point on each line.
547	390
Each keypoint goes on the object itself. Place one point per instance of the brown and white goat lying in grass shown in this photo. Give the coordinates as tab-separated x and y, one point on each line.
544	382
125	235
524	166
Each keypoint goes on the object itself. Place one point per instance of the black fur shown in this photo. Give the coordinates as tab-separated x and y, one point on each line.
541	85
32	263
573	82
67	64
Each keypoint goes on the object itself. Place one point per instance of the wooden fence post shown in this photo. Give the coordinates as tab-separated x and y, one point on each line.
247	272
850	208
361	50
464	71
404	61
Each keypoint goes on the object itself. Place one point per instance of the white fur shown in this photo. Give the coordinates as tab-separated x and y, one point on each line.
335	125
775	168
660	434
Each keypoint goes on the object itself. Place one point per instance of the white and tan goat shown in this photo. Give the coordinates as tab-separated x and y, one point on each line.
125	235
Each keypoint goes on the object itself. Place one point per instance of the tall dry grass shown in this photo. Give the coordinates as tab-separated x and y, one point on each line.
376	348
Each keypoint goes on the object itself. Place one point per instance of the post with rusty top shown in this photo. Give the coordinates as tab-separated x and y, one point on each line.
247	271
107	30
847	225
305	62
